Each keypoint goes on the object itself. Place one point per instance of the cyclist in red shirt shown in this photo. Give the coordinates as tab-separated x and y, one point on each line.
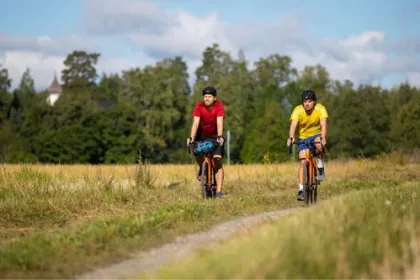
208	124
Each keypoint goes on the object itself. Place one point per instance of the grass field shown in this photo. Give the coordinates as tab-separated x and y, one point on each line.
59	221
370	233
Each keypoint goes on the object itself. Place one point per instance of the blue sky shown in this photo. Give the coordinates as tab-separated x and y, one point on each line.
40	17
315	21
324	17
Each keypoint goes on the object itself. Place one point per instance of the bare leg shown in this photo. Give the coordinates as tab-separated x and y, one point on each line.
320	156
301	166
219	172
301	175
318	147
199	160
302	163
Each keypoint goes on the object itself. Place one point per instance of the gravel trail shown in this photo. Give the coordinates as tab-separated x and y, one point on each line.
180	247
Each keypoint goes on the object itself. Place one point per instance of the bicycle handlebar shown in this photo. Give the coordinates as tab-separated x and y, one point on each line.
311	142
195	143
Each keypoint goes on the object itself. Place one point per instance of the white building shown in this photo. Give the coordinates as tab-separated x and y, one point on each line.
54	90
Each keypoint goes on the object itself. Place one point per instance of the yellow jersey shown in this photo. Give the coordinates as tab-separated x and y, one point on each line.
309	124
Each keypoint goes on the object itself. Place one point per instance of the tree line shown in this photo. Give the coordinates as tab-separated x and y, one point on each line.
109	118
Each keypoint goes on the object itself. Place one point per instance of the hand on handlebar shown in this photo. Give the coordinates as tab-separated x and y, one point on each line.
290	141
323	142
221	140
189	141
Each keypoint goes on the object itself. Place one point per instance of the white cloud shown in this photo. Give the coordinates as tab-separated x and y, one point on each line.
160	33
188	38
367	39
116	65
45	44
279	35
42	54
414	78
154	33
110	17
42	66
359	57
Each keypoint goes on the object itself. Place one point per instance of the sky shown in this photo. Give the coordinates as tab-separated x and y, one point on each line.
365	41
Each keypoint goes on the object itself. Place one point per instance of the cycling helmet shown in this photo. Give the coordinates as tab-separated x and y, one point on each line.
210	90
308	94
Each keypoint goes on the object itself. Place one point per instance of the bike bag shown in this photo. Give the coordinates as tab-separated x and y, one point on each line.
204	147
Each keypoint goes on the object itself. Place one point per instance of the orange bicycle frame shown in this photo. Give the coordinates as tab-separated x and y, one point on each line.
210	161
309	157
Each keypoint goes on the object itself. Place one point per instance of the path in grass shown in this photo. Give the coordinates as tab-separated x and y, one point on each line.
152	259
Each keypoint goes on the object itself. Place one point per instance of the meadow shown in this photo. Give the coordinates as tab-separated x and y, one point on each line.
62	220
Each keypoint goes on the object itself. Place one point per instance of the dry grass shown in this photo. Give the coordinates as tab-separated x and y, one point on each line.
372	233
58	220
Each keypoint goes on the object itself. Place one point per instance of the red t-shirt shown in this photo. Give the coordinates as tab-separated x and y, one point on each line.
208	118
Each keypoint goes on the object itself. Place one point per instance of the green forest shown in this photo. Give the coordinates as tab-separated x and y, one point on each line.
110	119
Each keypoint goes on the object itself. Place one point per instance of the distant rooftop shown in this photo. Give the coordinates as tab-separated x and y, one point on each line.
106	103
55	86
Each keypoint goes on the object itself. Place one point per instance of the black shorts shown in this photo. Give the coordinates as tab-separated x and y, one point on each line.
220	150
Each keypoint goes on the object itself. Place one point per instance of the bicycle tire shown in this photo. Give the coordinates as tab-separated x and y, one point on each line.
306	190
204	180
316	184
214	184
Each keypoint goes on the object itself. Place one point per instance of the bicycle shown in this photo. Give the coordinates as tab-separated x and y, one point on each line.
208	174
310	171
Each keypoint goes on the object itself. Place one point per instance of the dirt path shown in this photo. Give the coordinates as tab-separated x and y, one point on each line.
181	246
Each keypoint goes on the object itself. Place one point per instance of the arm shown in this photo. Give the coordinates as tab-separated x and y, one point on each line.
324	130
294	120
292	129
194	127
219	126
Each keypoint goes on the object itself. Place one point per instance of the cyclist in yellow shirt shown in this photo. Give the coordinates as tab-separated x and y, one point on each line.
311	119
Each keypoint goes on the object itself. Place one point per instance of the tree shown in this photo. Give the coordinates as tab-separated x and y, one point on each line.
405	127
22	100
109	88
361	122
27	84
5	83
108	120
80	71
160	94
273	70
216	64
265	141
236	92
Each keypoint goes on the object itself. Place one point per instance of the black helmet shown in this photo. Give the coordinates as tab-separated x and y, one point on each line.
308	94
210	90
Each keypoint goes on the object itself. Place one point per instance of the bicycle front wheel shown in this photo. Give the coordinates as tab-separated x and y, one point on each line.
307	183
204	179
315	186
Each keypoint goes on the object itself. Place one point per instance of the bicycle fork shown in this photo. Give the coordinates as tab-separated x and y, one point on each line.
211	176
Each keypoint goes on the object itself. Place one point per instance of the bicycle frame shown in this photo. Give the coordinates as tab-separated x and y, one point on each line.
208	176
312	170
310	173
208	185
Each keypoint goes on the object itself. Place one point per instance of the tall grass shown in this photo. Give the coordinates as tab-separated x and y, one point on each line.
370	233
57	220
